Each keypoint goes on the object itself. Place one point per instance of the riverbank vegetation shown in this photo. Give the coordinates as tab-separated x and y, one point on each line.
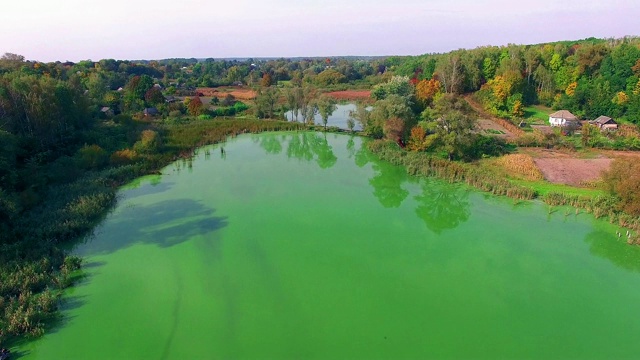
71	133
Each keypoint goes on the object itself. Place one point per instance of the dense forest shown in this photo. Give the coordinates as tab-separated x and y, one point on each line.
71	133
589	77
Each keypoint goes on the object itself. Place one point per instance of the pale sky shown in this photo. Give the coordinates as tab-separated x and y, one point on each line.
50	30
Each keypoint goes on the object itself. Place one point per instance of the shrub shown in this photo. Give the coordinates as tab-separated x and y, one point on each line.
623	181
123	157
149	142
92	157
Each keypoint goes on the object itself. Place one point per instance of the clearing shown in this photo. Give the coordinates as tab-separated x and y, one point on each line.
350	94
493	125
574	168
239	92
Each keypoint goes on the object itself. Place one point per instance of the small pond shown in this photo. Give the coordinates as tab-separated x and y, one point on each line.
337	119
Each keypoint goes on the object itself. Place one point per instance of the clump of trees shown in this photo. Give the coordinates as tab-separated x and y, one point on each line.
425	118
623	181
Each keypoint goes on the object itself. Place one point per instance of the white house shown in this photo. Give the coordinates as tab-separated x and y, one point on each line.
562	118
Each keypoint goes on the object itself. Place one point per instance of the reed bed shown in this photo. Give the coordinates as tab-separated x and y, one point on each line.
521	165
422	164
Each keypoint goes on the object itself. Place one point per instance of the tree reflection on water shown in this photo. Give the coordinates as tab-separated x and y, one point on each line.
311	146
442	206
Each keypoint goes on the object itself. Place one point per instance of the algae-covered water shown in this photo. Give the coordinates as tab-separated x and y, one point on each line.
303	245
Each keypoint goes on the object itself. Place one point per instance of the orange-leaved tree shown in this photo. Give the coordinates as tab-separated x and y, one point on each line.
426	90
195	106
623	181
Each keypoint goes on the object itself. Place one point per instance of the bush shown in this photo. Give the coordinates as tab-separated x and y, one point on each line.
123	157
92	157
149	142
623	181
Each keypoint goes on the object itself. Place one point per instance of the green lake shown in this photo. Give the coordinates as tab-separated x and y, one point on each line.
304	245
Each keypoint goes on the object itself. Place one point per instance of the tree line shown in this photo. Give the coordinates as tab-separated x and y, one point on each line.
590	77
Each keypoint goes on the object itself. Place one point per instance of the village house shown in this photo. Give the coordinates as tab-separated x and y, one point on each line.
107	111
151	111
605	123
563	118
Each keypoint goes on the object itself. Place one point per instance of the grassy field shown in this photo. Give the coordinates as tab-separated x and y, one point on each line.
537	114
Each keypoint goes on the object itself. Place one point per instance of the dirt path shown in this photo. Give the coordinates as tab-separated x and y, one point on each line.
490	123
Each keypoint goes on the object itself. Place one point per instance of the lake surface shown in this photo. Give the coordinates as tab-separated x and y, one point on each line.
303	245
338	118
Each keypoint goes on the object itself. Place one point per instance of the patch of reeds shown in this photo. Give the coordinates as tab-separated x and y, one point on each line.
604	206
423	164
521	165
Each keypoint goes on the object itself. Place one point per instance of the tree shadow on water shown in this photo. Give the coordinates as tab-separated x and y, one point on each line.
164	224
147	189
442	206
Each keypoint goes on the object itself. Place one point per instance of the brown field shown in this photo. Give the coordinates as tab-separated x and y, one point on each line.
238	92
350	94
573	172
571	168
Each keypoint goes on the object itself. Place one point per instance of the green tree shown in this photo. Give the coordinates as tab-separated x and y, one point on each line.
154	96
393	106
398	86
329	77
326	106
452	125
266	101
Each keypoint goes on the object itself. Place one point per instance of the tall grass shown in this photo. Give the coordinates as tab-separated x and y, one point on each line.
423	164
520	164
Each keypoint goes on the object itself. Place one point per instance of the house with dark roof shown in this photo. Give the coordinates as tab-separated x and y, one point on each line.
563	118
605	123
151	111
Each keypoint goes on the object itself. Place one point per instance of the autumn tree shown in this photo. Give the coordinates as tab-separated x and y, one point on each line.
196	107
154	96
266	80
417	139
426	90
393	129
623	180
